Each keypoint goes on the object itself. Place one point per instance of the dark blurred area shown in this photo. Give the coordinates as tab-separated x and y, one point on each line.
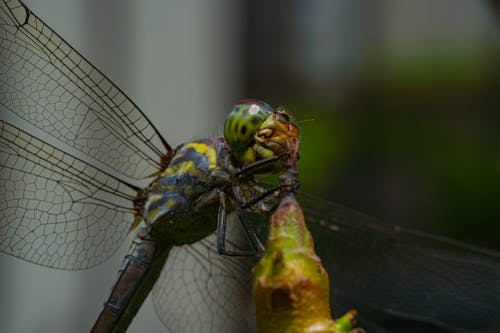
398	103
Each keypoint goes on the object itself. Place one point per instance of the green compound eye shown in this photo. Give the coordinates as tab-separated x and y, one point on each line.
243	122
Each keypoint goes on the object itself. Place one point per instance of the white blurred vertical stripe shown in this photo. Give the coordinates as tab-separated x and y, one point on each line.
178	61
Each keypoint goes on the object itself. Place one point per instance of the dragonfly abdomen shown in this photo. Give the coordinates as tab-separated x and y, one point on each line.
139	271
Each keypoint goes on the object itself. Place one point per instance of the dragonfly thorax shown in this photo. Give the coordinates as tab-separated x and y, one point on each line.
189	183
254	132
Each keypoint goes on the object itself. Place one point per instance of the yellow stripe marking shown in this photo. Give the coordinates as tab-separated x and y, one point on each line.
179	168
206	150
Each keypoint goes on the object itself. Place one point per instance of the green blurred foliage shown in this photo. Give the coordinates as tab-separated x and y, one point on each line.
414	142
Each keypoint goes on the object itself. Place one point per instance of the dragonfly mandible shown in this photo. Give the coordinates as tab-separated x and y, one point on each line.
50	89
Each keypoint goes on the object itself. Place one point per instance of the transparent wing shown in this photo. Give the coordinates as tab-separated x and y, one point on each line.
388	273
200	290
46	82
56	210
392	276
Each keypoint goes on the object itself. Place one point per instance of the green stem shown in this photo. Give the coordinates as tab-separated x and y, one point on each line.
290	285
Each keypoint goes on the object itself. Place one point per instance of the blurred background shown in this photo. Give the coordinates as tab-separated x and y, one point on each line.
398	103
404	102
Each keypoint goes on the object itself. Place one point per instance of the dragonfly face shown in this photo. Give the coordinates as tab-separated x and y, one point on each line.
255	132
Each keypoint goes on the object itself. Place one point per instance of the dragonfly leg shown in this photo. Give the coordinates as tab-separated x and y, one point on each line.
221	223
260	193
252	166
251	235
221	233
272	192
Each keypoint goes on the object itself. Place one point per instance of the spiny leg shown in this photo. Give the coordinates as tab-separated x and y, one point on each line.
260	197
269	193
251	235
221	232
252	166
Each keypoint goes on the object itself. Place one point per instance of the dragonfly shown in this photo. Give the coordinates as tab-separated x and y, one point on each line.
75	151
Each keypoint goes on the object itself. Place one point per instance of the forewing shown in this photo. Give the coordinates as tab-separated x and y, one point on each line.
200	290
46	82
388	272
56	210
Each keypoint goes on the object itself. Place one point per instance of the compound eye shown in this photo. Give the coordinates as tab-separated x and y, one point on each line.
243	122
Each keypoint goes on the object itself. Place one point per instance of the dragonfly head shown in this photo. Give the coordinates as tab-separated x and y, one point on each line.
254	132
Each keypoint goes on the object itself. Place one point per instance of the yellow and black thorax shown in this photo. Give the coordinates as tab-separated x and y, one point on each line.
253	132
